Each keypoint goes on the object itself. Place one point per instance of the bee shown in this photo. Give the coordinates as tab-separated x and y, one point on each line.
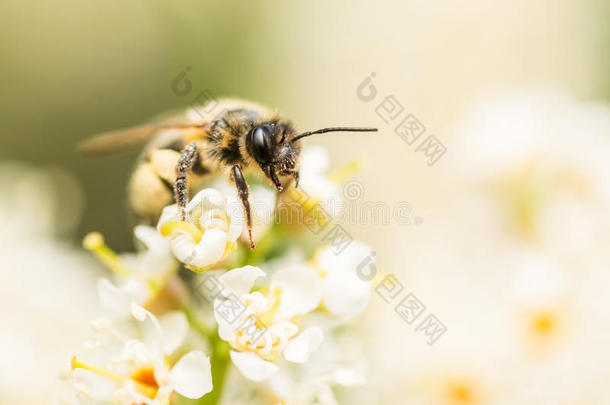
242	138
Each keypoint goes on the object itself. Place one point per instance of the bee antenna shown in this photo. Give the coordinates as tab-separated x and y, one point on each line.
332	129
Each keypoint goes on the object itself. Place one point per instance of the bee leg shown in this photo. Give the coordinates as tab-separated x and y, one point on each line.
188	155
295	176
243	192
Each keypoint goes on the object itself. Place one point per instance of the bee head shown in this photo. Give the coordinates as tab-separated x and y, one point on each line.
275	148
270	145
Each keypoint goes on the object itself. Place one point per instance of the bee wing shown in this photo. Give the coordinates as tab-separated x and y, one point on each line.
115	141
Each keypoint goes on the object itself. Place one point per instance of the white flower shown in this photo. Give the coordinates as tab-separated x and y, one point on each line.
315	182
139	276
346	291
262	202
133	366
261	328
337	363
214	222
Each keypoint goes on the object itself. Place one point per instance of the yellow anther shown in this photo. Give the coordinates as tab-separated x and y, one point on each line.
94	242
168	227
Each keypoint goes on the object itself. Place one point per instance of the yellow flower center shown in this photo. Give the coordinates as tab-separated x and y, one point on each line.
461	392
246	340
146	377
544	324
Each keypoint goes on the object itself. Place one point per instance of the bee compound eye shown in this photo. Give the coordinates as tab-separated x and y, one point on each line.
261	144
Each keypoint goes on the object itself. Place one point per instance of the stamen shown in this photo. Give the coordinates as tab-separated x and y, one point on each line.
99	370
119	379
267	317
346	172
94	242
168	227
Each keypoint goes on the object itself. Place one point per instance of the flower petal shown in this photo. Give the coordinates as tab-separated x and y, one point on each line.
300	348
353	256
192	375
301	289
175	327
314	159
206	199
150	238
239	281
345	295
207	252
169	214
210	249
227	324
252	366
115	302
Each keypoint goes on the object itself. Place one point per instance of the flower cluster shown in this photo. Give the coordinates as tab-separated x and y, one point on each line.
136	358
270	314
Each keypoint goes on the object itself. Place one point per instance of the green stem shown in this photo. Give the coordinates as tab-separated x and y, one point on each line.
220	363
203	329
219	358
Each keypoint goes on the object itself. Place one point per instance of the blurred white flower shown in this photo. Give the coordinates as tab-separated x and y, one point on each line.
346	292
214	222
132	362
45	283
540	158
261	328
140	276
315	182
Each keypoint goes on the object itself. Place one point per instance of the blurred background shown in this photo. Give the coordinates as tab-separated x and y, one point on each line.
509	250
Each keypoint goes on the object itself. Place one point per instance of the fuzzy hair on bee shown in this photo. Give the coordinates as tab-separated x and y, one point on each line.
239	138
